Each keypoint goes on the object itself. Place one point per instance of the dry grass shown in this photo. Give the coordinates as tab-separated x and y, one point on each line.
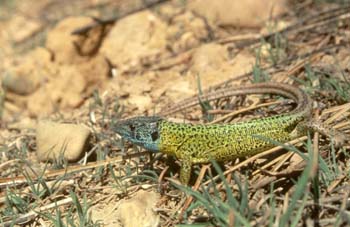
301	183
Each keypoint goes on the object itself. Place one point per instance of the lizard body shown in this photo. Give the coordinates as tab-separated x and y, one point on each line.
193	144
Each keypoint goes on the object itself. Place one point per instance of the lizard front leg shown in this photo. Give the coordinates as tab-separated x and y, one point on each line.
185	171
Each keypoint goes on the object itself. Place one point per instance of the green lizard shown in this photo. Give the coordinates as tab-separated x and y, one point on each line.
193	144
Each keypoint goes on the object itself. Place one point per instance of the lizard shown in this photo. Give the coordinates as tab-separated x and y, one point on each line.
193	144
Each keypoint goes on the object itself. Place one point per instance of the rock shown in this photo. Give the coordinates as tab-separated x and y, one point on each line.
186	31
95	71
18	84
211	63
173	84
65	91
23	124
248	13
138	211
133	38
26	76
142	102
46	84
209	57
61	42
23	27
55	140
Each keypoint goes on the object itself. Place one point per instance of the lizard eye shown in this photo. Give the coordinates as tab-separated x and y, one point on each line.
154	136
132	128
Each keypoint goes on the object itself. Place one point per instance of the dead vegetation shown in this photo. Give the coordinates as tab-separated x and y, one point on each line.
93	72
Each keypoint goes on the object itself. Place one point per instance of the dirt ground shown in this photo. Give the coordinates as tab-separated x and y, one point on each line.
71	69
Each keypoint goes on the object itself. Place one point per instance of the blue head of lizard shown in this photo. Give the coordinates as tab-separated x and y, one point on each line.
142	131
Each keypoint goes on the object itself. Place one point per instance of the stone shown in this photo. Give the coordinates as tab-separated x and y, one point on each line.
62	43
133	38
57	140
139	210
248	13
